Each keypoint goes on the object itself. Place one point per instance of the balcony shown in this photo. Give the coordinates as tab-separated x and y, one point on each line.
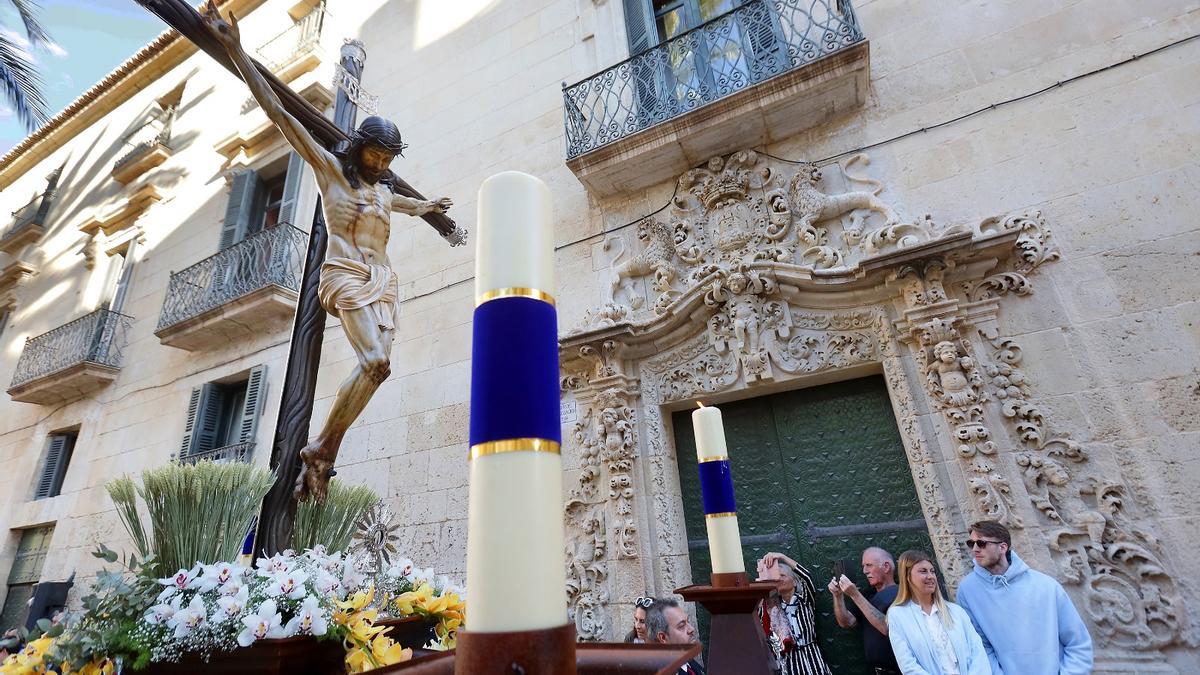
238	452
295	51
28	224
71	360
236	293
760	73
145	148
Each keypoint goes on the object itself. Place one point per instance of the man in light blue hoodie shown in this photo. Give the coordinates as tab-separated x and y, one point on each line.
1026	619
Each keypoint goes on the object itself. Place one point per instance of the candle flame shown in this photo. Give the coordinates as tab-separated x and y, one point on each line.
699	404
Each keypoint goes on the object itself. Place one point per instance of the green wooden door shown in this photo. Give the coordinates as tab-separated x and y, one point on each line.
819	474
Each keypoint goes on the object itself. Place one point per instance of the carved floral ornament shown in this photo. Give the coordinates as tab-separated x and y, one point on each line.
761	276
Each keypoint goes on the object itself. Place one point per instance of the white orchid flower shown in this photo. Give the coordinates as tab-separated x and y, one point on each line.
217	575
268	567
401	568
309	620
326	583
265	623
161	612
232	587
288	584
231	606
182	580
190	618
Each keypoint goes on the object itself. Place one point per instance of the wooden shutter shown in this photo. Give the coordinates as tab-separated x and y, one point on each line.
766	50
57	457
189	424
291	188
207	433
240	208
31	555
256	393
639	26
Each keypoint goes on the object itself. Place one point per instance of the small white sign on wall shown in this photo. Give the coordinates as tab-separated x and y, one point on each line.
567	411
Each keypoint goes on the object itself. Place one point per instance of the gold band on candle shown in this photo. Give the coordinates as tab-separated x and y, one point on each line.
498	293
715	458
723	514
513	445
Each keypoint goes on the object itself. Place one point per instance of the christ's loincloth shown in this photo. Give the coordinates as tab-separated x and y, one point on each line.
350	284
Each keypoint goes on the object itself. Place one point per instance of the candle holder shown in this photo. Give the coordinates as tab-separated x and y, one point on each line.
736	643
550	651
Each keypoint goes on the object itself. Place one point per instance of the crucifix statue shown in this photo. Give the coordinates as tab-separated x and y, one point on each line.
357	283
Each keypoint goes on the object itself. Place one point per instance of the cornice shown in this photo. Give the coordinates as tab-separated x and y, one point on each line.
162	54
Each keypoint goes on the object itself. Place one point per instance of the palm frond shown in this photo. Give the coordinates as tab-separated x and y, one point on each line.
34	30
21	84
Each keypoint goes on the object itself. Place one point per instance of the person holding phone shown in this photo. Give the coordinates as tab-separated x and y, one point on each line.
789	616
869	613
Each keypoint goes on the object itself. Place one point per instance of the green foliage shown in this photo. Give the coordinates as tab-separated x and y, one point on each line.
198	513
331	524
20	82
112	609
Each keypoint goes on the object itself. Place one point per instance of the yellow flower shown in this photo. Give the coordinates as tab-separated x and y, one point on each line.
359	600
408	603
381	651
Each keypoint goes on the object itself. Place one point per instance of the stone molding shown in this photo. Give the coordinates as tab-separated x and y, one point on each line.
765	281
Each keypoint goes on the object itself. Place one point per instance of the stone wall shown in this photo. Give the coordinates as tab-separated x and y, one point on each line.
1083	178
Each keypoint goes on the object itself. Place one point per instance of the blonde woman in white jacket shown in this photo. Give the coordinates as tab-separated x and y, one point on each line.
929	635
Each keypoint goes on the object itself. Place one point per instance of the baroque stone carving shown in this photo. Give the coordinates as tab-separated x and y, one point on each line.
727	276
607	439
954	383
1033	248
1127	592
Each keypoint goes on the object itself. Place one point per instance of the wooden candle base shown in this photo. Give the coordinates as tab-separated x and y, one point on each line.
498	653
736	644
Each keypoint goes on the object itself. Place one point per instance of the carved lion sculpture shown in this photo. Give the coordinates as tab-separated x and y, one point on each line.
656	258
812	206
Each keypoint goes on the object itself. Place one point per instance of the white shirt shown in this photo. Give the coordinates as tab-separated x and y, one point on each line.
942	649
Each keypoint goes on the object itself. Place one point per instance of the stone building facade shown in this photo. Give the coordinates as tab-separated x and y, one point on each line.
763	201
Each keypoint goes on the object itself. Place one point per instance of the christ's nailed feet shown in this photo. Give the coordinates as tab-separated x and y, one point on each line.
315	472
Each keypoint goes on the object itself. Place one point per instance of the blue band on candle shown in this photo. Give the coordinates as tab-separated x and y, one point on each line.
514	371
716	487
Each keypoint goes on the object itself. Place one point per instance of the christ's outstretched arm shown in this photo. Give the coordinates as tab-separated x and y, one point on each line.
321	160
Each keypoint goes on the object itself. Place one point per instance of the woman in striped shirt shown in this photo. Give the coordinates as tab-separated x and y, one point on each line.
789	617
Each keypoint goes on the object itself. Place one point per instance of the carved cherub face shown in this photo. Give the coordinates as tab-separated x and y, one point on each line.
945	352
737	282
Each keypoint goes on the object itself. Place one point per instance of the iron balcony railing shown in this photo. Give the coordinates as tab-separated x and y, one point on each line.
156	131
238	452
97	338
297	39
273	256
33	212
747	45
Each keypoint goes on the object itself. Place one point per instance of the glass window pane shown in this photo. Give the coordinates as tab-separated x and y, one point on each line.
713	8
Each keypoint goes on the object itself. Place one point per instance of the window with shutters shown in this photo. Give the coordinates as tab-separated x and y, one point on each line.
24	575
59	448
222	419
261	200
707	61
692	87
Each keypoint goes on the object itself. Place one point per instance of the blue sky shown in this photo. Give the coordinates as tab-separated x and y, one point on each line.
94	37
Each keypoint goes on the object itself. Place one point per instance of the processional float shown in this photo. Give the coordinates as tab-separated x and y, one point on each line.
515	573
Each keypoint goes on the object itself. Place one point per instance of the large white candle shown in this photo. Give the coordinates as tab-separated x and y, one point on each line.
515	573
724	538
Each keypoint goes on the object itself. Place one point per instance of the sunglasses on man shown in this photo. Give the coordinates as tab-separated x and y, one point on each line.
980	543
643	601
